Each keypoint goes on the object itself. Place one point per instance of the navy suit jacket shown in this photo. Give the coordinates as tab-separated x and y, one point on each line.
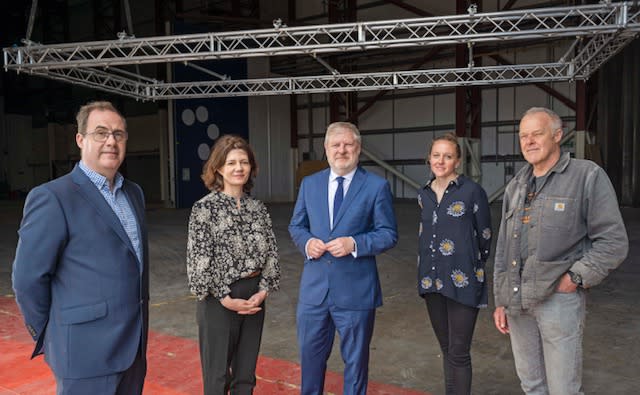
77	280
367	215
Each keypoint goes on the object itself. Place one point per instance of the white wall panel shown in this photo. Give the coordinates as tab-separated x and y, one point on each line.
445	112
492	177
379	116
380	145
320	120
270	137
507	104
412	145
488	141
419	174
303	120
303	146
415	111
488	107
527	97
508	143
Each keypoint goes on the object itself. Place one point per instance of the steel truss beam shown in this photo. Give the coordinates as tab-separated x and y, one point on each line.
601	31
368	81
524	24
316	84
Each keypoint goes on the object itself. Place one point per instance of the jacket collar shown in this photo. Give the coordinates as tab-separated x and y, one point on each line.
525	173
458	181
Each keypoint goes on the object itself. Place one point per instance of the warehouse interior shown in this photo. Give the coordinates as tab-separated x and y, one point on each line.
184	72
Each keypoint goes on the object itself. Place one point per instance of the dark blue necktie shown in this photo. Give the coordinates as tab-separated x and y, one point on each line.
337	199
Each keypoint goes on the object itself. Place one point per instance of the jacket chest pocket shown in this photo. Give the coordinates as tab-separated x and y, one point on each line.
558	213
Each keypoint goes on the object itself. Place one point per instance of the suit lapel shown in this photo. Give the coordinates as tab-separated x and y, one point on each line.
354	187
91	194
137	206
323	192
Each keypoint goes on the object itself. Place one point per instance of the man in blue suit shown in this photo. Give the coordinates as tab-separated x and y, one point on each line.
343	218
81	272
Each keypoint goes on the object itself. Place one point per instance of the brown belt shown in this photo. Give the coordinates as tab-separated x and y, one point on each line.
254	274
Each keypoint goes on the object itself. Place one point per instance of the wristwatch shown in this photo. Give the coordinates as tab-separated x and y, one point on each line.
576	278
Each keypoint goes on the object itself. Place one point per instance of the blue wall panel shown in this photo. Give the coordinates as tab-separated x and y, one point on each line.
198	123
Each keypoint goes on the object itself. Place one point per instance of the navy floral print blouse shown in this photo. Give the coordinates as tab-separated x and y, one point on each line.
454	242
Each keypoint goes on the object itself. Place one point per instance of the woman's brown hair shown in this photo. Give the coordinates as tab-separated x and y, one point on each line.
225	144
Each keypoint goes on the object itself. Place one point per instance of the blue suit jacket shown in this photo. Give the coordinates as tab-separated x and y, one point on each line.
367	215
77	280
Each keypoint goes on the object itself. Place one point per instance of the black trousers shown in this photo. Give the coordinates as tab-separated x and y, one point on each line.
229	342
453	324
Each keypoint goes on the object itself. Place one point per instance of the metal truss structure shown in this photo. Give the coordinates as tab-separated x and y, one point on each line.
600	31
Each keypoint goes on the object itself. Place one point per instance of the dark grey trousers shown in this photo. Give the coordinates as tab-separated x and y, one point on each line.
229	342
129	382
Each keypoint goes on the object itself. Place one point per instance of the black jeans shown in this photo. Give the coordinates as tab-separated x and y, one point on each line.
453	324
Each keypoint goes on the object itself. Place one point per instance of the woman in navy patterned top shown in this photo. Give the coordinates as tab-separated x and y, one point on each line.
454	242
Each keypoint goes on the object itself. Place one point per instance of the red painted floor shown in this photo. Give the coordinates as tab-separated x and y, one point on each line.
174	366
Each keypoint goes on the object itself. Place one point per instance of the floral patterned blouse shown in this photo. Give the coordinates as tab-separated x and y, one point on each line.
454	242
227	243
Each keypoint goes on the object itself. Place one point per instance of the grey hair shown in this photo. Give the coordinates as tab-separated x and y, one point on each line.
342	125
556	122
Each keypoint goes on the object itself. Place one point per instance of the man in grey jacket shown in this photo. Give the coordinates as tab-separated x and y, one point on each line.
561	232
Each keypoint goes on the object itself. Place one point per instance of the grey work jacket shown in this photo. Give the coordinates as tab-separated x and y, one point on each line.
579	228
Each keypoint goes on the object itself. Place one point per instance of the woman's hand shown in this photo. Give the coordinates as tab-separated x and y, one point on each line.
257	298
241	306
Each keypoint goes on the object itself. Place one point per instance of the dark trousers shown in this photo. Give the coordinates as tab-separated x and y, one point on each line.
229	342
129	382
453	324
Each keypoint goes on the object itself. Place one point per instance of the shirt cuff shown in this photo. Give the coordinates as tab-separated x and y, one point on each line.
306	245
355	248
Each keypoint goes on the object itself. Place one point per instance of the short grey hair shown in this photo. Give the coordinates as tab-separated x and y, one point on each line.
556	122
342	125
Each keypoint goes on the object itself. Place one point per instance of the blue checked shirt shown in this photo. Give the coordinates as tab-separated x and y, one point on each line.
119	203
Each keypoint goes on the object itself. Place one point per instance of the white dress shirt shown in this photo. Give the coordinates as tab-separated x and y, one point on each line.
333	186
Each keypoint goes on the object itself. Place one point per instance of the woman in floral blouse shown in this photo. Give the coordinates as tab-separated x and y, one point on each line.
232	265
454	241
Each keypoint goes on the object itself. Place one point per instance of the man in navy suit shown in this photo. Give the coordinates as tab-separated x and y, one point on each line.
343	218
81	271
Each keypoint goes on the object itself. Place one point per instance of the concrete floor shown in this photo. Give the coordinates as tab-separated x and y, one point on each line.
404	350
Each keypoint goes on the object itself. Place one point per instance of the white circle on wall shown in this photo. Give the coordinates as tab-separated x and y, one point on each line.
188	117
213	131
203	151
202	114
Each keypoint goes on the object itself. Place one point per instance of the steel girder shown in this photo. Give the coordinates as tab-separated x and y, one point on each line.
600	31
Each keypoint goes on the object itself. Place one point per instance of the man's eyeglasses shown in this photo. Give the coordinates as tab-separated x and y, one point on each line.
101	135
